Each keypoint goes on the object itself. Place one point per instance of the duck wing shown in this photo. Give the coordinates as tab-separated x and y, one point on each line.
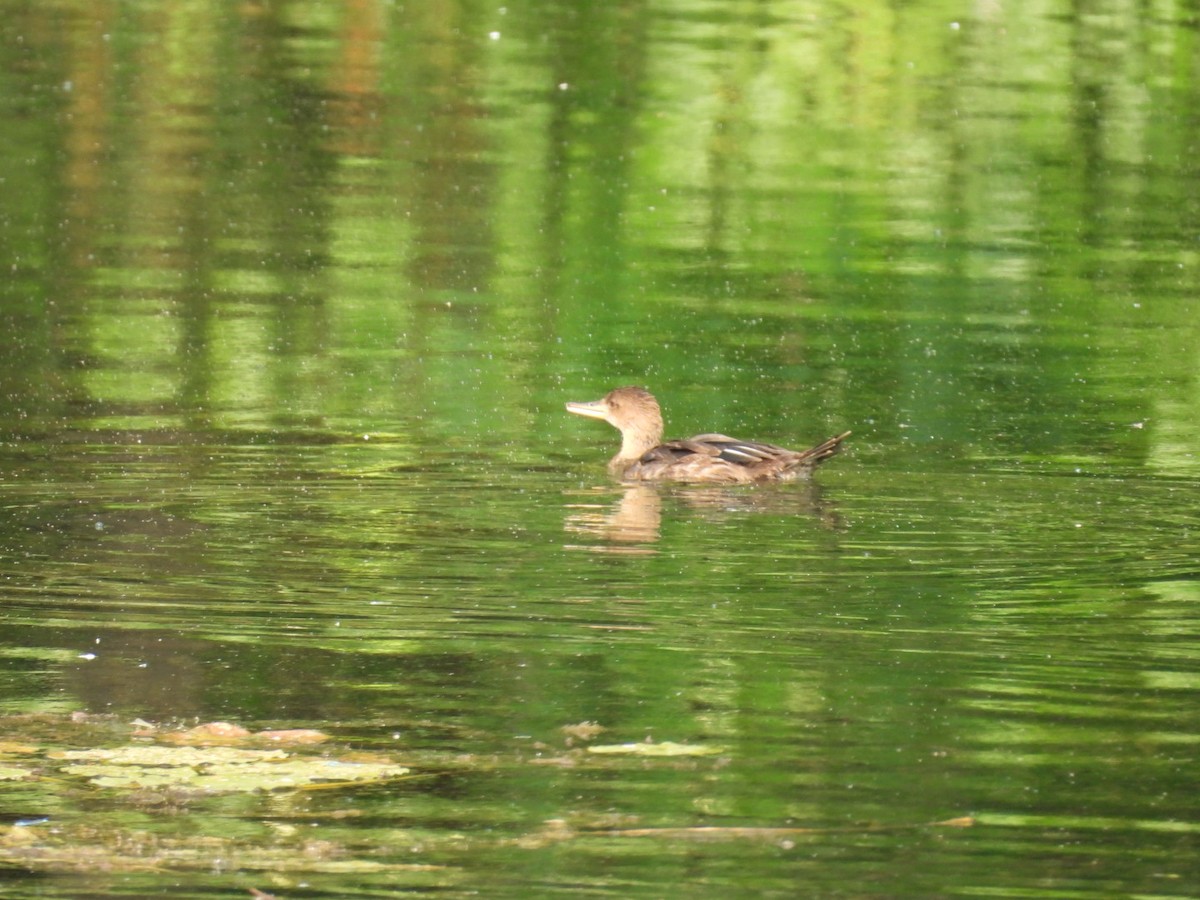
714	447
688	461
735	451
721	459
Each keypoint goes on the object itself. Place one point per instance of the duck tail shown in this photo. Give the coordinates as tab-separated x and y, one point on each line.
829	448
808	460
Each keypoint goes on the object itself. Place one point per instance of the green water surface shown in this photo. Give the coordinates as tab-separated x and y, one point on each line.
294	296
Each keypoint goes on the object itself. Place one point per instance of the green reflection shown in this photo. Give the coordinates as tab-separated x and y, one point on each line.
296	291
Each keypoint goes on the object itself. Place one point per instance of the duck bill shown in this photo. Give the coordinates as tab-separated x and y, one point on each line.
594	410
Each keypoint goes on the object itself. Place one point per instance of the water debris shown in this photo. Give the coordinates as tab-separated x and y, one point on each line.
228	734
666	748
768	832
583	731
215	770
556	831
139	771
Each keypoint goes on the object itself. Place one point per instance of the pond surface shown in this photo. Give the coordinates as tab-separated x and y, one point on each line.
296	295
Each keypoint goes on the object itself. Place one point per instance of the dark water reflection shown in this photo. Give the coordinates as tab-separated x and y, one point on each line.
295	295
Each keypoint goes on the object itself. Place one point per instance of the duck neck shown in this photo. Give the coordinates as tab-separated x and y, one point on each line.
635	441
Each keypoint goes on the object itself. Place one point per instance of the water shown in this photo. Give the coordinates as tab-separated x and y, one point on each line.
295	299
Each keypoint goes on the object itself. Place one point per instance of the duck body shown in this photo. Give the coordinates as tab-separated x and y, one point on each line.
702	459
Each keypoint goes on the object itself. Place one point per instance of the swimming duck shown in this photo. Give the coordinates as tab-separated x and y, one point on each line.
705	458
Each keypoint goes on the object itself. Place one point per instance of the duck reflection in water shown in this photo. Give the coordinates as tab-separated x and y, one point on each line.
701	459
634	520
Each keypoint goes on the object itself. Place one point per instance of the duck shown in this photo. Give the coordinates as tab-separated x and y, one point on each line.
701	459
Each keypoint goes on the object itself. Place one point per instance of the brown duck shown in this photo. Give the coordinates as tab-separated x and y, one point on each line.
705	458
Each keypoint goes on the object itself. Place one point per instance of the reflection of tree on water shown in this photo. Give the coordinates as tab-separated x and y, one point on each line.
636	516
